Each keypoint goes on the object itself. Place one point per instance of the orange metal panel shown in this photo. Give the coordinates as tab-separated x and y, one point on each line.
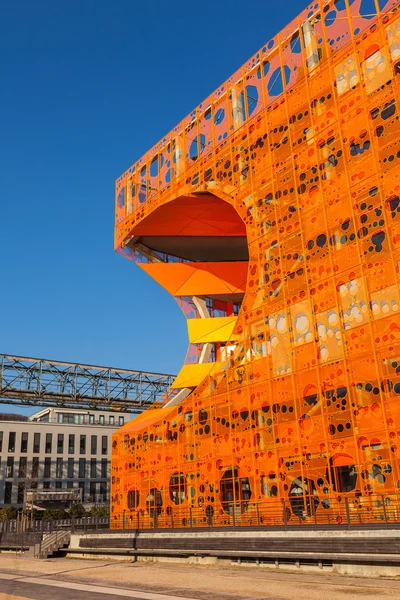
184	279
298	416
196	215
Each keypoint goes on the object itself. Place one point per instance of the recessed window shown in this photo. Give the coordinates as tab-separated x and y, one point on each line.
8	492
10	467
71	418
59	468
36	443
35	467
235	491
11	441
22	467
21	490
49	439
111	420
71	468
154	502
133	499
177	488
82	468
103	492
81	486
47	467
24	442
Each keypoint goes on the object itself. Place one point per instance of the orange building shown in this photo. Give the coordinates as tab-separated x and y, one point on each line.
272	214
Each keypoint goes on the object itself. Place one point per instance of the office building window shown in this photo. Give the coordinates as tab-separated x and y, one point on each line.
8	492
60	443
121	421
47	467
103	492
111	420
94	444
82	468
81	486
101	419
71	443
71	469
82	445
21	489
34	485
10	466
71	419
104	468
36	443
104	445
93	468
91	419
70	485
92	492
22	467
58	485
1	441
24	442
35	467
11	441
49	439
46	485
59	468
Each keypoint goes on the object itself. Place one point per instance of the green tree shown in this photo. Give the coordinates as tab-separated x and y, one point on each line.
8	512
99	511
77	510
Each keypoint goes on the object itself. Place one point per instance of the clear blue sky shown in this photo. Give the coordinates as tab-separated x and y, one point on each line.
87	86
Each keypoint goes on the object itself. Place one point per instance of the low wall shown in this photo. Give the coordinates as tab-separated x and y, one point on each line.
361	553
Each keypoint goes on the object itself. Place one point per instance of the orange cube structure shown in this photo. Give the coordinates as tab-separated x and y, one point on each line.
272	214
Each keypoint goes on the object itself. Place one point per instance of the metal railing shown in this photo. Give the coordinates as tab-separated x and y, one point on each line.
40	526
339	511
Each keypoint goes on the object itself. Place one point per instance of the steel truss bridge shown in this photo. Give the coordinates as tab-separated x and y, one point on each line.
33	381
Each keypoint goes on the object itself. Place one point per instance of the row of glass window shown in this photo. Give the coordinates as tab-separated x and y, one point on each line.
60	443
97	492
59	464
79	419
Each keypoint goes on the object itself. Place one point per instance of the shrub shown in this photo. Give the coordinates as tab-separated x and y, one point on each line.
8	512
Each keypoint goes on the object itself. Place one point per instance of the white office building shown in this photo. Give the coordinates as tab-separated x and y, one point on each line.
57	448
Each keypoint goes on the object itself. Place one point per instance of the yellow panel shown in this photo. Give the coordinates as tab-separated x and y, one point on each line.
218	329
145	419
192	375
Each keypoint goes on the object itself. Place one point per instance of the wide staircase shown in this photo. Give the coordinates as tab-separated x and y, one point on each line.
52	543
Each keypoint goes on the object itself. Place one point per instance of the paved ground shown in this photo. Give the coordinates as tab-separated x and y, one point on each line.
63	579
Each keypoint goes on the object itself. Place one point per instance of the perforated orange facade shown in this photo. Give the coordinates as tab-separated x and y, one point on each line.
272	214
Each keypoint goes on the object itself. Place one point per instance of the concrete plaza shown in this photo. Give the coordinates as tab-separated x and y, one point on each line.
103	580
